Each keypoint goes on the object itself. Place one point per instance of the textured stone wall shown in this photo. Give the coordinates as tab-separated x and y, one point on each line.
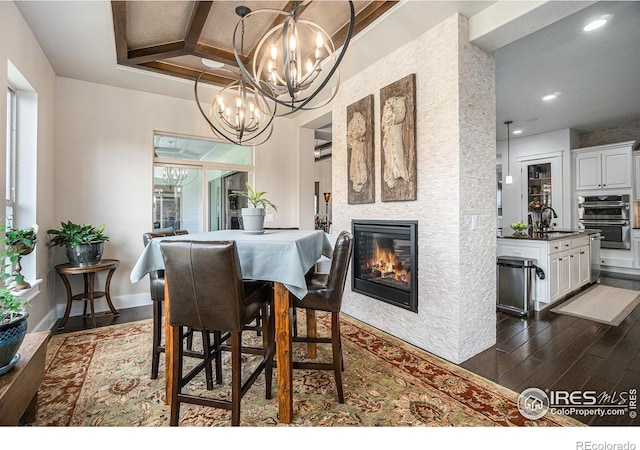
622	133
455	122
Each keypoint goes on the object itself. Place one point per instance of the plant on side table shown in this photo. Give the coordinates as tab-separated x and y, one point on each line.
253	218
13	316
84	243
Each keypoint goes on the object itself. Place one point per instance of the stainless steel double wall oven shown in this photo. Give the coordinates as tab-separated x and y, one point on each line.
611	215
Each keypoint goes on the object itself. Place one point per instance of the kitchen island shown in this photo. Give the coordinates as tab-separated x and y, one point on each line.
563	255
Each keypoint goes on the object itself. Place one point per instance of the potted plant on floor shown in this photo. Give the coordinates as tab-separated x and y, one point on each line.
84	243
13	317
253	218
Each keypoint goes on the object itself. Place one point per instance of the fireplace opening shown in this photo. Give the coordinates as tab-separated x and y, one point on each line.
385	261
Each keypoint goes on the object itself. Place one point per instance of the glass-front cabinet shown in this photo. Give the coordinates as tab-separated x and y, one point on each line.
539	184
542	185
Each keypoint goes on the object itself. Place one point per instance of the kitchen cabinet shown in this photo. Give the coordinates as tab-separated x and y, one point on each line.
636	174
565	262
569	267
603	167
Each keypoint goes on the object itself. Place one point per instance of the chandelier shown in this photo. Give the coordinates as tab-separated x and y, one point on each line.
294	60
239	113
174	176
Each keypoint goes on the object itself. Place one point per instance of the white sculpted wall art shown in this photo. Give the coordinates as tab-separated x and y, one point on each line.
360	151
398	132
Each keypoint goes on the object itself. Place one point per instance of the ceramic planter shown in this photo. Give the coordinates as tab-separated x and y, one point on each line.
11	336
253	220
85	254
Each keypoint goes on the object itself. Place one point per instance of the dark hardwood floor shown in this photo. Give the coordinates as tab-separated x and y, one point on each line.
546	350
556	352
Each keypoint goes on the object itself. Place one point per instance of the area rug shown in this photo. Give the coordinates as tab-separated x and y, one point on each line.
100	377
604	304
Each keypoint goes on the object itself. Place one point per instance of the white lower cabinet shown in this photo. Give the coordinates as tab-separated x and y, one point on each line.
565	262
570	270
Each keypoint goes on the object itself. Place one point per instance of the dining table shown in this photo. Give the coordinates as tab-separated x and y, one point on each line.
280	256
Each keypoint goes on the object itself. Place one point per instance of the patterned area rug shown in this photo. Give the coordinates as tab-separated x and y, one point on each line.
101	378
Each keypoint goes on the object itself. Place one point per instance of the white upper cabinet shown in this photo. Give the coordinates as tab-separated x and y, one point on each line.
636	174
603	167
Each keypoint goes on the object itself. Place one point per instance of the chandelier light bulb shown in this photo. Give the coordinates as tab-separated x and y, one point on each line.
239	122
296	77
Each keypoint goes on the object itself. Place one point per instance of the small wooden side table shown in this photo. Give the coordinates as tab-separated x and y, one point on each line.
19	387
89	294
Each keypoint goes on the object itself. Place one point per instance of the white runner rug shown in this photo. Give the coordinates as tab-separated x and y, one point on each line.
604	304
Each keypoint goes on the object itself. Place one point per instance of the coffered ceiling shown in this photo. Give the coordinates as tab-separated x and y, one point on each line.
173	37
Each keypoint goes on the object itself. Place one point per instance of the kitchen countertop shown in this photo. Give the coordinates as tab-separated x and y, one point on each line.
552	235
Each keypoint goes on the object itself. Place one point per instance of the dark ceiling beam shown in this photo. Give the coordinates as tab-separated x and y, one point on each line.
119	13
215	53
185	72
196	24
363	19
156	52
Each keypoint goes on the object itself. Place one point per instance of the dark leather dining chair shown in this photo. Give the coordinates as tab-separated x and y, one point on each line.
156	286
207	292
325	294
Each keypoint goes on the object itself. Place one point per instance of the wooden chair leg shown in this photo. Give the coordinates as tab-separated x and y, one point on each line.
236	377
337	354
176	376
190	339
157	338
217	341
267	345
206	349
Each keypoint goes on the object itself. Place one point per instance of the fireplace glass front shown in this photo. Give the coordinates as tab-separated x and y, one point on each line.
385	261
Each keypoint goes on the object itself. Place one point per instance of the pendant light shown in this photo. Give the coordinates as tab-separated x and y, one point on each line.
239	113
295	60
508	179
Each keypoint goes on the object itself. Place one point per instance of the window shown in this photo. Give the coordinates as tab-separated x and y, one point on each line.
193	178
10	175
21	156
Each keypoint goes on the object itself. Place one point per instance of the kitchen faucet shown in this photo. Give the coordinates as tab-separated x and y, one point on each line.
545	218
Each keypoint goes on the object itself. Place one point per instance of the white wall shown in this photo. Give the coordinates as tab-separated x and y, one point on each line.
456	180
104	169
18	45
322	175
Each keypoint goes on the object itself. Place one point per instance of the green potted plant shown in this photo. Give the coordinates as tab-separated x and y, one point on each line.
13	316
84	243
253	218
23	241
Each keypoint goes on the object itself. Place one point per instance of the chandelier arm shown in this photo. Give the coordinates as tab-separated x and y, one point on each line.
338	60
241	65
222	134
291	104
206	117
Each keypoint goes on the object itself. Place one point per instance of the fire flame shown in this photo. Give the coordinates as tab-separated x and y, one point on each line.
388	264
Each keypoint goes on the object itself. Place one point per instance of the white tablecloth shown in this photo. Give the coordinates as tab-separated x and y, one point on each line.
277	255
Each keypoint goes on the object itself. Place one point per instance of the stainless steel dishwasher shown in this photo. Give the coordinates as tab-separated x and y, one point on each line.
515	284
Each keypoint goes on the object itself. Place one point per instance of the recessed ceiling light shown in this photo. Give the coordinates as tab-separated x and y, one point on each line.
517	131
598	23
212	64
546	98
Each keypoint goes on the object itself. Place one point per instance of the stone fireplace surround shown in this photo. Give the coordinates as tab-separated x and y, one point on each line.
456	152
